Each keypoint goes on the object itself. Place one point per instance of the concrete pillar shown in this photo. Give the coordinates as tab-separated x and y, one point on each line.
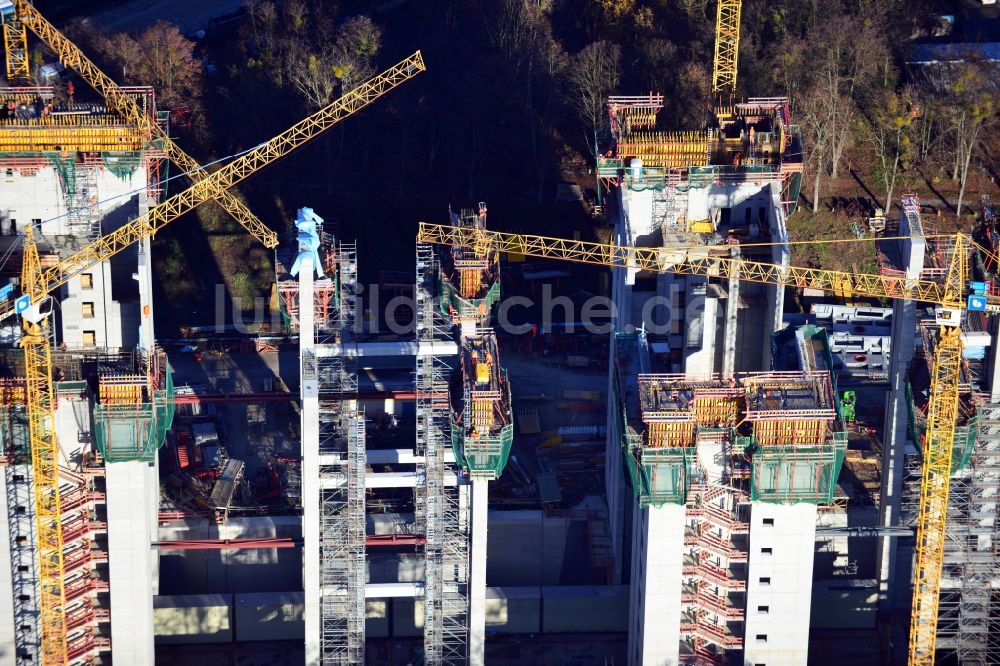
701	361
477	573
732	315
310	463
655	590
130	574
904	329
779	584
615	485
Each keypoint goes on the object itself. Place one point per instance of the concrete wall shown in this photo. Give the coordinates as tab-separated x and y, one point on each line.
199	618
654	613
779	584
213	618
130	533
525	548
269	616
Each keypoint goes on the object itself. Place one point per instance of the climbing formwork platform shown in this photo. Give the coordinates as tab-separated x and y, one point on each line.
752	141
326	297
796	442
469	280
36	119
133	407
482	429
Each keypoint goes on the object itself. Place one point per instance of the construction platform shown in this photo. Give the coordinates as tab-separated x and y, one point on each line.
469	280
781	430
482	429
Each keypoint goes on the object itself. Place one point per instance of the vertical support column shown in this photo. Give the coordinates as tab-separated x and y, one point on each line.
477	574
894	581
654	635
129	565
147	341
732	316
310	464
779	583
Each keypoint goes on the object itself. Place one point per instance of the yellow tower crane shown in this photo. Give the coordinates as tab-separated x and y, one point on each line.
37	284
727	46
945	374
15	46
71	56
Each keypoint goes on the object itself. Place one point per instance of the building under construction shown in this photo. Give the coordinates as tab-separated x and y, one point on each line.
75	171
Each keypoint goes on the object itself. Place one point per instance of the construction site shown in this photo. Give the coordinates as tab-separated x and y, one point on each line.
730	479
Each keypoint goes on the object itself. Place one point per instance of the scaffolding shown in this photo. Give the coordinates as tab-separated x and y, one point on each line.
21	529
442	509
83	216
342	537
969	608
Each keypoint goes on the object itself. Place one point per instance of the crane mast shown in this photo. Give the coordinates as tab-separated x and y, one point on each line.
44	463
15	44
727	46
71	56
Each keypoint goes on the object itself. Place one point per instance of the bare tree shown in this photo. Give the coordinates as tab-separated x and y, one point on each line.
845	57
594	74
887	132
967	110
817	129
159	56
534	66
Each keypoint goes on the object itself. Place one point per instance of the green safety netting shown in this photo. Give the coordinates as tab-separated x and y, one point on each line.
122	163
658	475
484	456
465	307
126	433
792	193
65	166
964	441
798	473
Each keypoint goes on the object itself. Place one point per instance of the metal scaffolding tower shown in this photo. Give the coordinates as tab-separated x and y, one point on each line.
442	508
342	457
969	610
83	217
342	542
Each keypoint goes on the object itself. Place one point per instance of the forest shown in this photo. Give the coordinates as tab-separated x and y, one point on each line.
513	102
